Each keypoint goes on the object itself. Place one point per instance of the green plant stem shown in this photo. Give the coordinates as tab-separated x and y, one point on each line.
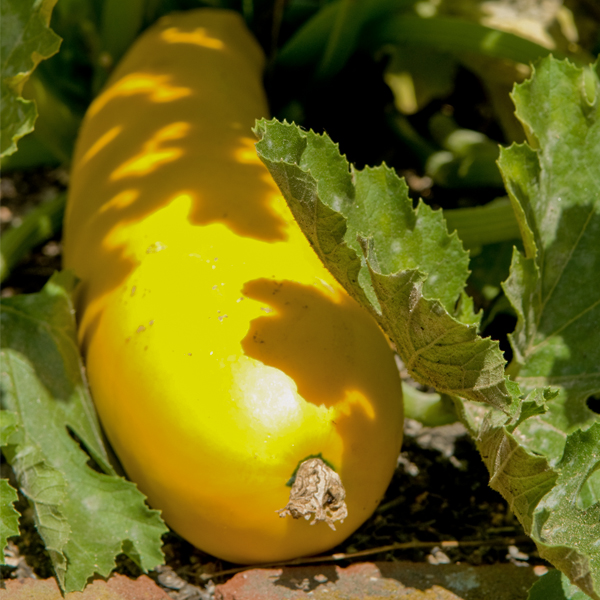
38	226
430	409
481	225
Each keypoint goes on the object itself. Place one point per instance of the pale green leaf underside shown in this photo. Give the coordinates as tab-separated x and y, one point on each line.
25	40
565	534
398	261
85	517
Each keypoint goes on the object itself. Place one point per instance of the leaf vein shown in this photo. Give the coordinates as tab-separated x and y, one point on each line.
560	275
535	347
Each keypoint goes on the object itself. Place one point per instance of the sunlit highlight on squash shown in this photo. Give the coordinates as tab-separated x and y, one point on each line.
102	142
246	153
156	88
154	153
199	37
121	200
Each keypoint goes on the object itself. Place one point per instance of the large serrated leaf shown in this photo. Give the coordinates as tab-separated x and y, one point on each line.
555	288
85	516
522	477
25	40
363	235
565	534
554	185
398	261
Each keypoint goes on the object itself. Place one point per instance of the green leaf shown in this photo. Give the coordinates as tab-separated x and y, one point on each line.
8	426
402	265
565	534
521	477
545	498
26	39
554	585
554	185
399	262
9	517
85	516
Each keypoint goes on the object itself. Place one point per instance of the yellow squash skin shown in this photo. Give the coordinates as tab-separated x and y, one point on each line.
219	350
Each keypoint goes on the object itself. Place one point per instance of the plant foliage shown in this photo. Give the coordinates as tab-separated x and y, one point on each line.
26	40
406	264
51	437
534	431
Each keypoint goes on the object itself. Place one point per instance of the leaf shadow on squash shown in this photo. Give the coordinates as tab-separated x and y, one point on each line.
149	139
336	354
321	341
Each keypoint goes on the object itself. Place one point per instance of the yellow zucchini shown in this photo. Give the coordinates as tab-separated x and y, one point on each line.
219	350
